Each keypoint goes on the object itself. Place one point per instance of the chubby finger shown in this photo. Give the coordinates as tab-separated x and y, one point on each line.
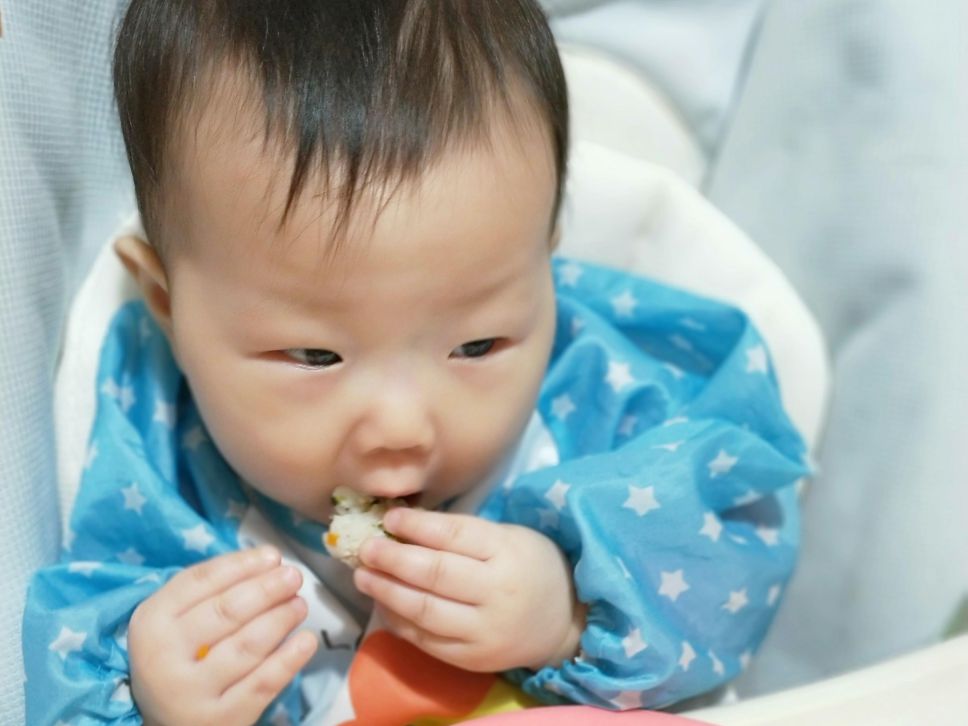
200	582
249	697
228	611
234	657
461	534
430	612
450	650
455	577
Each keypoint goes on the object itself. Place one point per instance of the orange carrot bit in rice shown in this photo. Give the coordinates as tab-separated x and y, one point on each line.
332	538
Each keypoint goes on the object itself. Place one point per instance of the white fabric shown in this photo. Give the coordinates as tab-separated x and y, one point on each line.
613	106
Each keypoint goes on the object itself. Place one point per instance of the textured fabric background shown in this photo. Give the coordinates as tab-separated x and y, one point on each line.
694	50
847	160
63	181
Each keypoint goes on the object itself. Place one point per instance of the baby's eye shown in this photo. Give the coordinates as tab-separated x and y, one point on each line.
314	357
474	349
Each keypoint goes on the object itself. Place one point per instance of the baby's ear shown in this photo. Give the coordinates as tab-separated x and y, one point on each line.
144	265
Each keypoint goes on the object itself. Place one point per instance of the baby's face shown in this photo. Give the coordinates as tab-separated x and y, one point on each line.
408	364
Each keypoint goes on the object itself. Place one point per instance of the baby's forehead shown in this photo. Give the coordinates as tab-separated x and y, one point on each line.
228	156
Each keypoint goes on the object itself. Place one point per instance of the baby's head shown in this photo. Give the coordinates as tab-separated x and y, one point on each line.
351	207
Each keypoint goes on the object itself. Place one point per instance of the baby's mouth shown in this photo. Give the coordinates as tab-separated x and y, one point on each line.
412	500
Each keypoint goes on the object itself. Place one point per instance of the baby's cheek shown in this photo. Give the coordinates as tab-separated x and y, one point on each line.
279	462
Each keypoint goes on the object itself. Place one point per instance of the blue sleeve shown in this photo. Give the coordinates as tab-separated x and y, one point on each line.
138	519
674	499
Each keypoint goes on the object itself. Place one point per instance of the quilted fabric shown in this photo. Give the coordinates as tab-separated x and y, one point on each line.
63	181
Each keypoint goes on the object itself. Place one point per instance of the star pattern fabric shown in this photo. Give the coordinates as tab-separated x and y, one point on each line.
675	497
664	411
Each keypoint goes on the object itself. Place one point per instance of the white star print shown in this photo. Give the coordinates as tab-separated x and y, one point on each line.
145	328
722	464
744	659
687	657
773	595
692	324
748	498
633	643
673	447
717	664
770	536
626	426
131	556
91	456
197	538
133	498
66	642
641	500
547	519
194	438
676	371
85	568
624	304
124	395
150	577
236	510
556	495
123	692
627	700
110	388
737	601
673	585
562	406
165	413
711	526
756	360
569	274
675	421
619	376
577	325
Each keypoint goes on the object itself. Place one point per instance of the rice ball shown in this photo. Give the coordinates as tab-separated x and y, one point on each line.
356	518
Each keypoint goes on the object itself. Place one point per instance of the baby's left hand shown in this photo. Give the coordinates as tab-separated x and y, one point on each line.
476	594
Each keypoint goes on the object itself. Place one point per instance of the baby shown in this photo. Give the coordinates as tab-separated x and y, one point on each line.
350	212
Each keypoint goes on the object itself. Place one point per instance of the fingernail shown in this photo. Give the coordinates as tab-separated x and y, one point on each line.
304	644
289	575
366	550
362	579
268	553
391	519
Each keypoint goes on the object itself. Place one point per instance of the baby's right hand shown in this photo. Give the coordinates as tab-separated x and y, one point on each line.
205	648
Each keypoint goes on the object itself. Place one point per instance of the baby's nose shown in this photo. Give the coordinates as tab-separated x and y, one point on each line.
397	426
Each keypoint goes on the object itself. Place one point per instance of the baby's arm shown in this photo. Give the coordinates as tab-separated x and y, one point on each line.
480	595
208	646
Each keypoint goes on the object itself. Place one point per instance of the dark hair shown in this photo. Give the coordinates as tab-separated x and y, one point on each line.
375	88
